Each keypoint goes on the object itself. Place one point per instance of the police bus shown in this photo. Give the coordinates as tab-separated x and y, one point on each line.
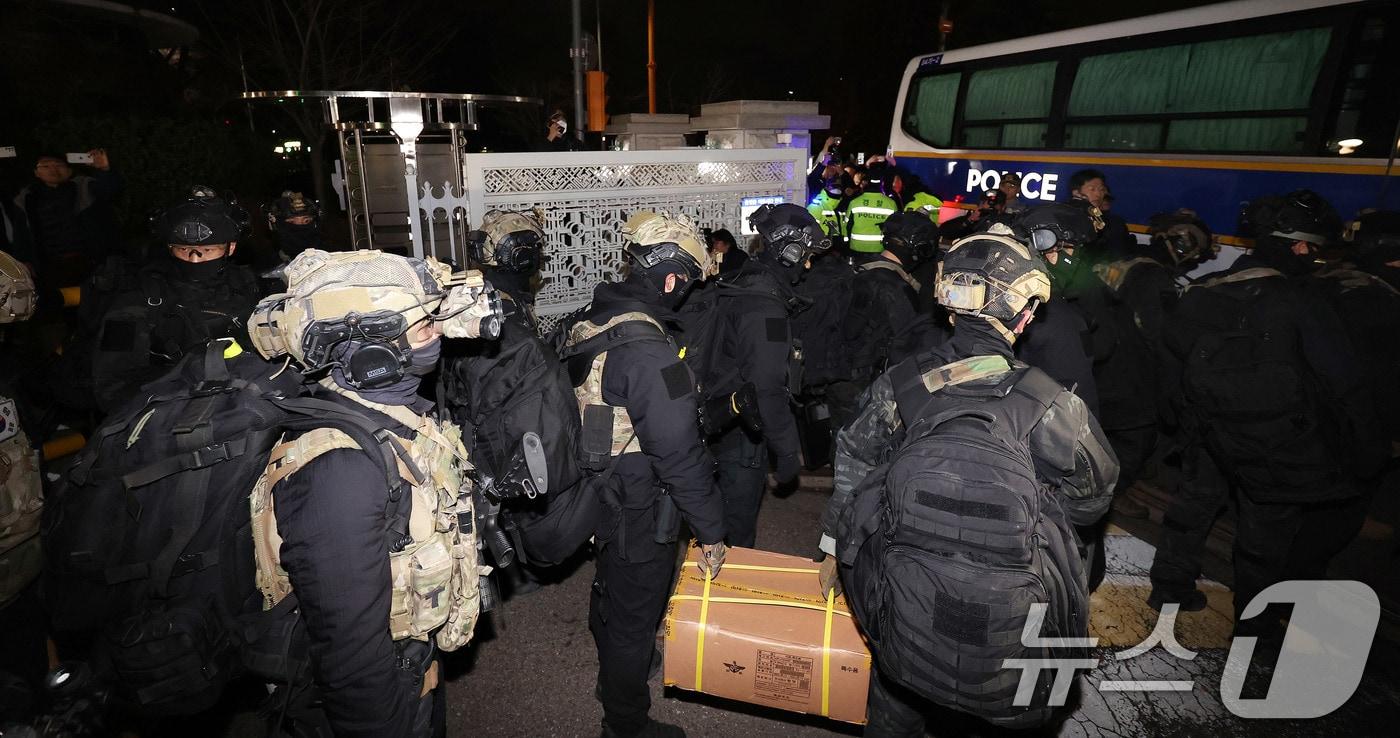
1203	108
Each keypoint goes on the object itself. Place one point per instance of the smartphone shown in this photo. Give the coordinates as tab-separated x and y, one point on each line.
8	152
80	158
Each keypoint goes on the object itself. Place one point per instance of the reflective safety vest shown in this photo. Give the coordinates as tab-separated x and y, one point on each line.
824	208
926	204
864	216
21	502
435	575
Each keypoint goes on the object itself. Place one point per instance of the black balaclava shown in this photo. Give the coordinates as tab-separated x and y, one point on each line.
769	258
199	271
512	282
422	361
293	238
652	286
1277	253
973	335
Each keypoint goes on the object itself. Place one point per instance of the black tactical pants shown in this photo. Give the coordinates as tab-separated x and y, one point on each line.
1133	447
629	596
1266	534
743	476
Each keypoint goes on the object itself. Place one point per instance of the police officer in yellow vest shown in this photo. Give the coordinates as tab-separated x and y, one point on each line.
925	204
22	645
379	591
864	216
829	207
639	410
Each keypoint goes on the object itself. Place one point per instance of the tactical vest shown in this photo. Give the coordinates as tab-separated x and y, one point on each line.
866	214
591	406
21	500
435	572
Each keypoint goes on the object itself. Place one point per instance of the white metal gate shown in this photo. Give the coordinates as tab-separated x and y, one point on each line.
586	196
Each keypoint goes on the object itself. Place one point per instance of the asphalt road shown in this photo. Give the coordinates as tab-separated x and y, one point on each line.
532	670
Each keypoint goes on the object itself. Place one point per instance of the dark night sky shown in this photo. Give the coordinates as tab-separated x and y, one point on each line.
846	55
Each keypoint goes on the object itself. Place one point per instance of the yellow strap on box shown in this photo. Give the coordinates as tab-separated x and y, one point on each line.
700	638
826	653
705	600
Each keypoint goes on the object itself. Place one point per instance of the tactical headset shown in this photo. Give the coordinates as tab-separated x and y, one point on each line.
649	256
519	251
792	244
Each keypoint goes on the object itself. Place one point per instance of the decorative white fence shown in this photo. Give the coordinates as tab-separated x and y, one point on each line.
587	196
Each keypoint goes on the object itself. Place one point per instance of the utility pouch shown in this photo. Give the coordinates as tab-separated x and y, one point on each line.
596	445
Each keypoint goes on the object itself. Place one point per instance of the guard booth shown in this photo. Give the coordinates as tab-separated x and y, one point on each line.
411	186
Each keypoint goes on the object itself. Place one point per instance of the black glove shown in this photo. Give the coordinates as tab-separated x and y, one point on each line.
745	403
786	468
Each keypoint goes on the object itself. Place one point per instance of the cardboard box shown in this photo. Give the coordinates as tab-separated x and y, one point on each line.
763	633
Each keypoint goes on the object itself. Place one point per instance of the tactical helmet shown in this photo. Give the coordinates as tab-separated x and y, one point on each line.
1182	236
911	236
1301	215
789	233
993	276
1046	226
671	243
508	239
17	295
204	218
291	205
368	296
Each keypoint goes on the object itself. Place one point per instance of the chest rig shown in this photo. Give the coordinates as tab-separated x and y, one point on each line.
607	429
433	561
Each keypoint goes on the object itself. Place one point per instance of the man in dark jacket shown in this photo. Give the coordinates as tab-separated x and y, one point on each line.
646	395
70	217
1275	407
1070	451
143	323
755	348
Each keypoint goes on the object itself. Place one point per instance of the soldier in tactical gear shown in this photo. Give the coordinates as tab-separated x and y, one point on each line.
638	403
22	651
509	251
883	325
174	304
992	284
1061	344
381	578
1274	406
756	349
296	221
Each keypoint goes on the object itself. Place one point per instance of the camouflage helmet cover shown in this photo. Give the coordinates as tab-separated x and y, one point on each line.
497	226
650	231
17	295
324	286
991	275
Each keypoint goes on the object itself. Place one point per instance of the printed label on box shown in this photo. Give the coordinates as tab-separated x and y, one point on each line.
783	677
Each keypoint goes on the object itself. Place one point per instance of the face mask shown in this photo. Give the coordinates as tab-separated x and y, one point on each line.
198	271
294	238
423	360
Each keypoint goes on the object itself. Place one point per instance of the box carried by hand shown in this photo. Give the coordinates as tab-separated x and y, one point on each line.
762	632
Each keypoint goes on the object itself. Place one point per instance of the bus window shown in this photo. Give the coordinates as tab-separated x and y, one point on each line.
1019	95
1269	78
1365	108
930	116
1113	136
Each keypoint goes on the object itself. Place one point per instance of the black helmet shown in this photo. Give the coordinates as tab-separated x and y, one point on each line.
790	234
1301	215
290	205
1045	226
1181	236
992	276
911	236
204	218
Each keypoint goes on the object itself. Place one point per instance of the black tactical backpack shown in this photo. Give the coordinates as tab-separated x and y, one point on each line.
517	411
705	320
829	286
147	537
1251	394
954	540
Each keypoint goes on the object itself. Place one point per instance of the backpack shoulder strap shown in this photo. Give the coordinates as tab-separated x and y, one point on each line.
1040	389
890	266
